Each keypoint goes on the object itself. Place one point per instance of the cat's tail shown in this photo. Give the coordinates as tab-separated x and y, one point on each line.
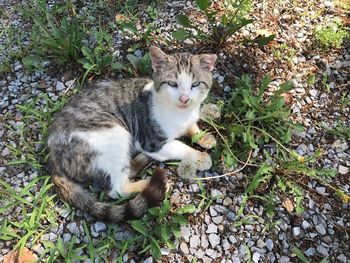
76	195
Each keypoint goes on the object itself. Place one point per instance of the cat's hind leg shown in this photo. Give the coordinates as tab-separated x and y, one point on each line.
138	164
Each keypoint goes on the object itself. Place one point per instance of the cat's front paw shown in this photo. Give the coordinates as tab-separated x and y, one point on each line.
203	161
208	141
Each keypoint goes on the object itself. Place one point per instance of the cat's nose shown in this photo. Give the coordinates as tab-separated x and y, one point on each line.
184	99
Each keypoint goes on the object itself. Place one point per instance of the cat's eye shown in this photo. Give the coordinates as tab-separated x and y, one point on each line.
196	84
172	84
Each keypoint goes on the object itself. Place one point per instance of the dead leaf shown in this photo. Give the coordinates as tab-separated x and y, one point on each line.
288	205
288	98
17	256
42	84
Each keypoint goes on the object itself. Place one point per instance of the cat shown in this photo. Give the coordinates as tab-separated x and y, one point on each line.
110	130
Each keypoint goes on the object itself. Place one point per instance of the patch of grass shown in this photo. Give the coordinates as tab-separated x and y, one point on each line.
252	122
37	116
141	66
284	52
224	18
160	227
31	203
61	41
340	130
331	35
343	4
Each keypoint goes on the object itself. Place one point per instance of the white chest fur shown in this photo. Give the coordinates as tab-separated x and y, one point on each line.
175	122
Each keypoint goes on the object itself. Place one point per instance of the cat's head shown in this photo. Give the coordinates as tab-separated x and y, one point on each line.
181	80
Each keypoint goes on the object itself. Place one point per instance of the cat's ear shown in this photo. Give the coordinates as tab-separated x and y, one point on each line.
207	61
158	57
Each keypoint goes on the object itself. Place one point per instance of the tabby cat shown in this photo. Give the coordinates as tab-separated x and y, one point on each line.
108	132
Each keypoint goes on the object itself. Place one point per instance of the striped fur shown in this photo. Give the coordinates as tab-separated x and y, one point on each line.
107	132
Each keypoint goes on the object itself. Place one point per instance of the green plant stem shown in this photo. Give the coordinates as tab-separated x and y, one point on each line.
225	142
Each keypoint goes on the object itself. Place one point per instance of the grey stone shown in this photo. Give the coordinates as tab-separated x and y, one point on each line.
199	254
284	259
269	244
312	235
260	243
69	83
221	79
227	89
225	244
227	201
186	233
232	239
211	253
343	169
60	86
215	193
220	209
296	231
184	248
212	211
204	241
321	189
217	219
310	252
322	250
249	227
67	237
321	229
148	260
138	53
305	224
73	228
256	257
313	92
212	228
165	251
342	258
100	227
231	216
194	241
214	240
194	188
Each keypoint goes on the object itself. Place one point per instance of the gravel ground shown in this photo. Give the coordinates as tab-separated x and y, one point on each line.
321	231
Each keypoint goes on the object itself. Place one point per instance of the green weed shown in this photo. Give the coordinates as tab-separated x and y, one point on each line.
343	4
161	226
99	59
221	25
331	35
284	52
340	130
141	66
251	120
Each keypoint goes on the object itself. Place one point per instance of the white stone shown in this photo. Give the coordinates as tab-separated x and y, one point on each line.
214	240
343	169
212	228
60	86
194	241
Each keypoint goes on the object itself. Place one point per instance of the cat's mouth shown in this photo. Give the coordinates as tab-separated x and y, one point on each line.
183	106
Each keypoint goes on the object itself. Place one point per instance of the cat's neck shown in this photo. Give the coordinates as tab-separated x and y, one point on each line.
173	121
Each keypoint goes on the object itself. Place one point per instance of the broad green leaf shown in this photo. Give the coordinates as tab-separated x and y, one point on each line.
203	4
262	41
180	34
31	61
183	20
189	209
117	66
